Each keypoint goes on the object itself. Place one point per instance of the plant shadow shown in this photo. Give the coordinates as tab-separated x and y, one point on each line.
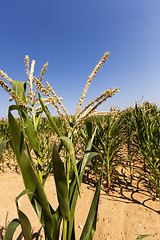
124	188
130	189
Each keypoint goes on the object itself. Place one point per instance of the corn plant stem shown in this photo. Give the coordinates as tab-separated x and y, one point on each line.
38	159
64	236
64	229
106	153
40	169
97	149
68	170
130	163
65	220
107	159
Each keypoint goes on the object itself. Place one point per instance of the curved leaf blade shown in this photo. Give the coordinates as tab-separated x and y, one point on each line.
61	183
20	88
74	189
70	148
143	236
37	118
11	229
29	174
89	128
29	129
52	122
90	225
88	154
25	225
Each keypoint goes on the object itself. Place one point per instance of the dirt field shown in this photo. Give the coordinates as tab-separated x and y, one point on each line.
127	211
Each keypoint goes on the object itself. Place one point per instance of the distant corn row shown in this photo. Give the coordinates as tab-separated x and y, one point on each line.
137	129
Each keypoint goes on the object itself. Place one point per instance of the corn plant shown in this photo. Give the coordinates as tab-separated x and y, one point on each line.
68	186
148	139
4	130
68	174
4	136
129	133
108	141
2	145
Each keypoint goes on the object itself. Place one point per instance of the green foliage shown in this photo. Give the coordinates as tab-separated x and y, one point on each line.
4	130
61	183
148	139
143	236
11	229
129	133
68	179
108	141
2	146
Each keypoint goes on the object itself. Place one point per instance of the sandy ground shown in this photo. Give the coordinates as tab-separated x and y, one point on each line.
127	211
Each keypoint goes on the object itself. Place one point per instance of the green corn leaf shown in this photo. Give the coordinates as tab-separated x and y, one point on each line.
29	174
74	189
89	127
2	146
37	118
70	149
52	122
57	218
39	212
23	219
83	134
11	228
29	129
26	191
31	134
66	141
20	88
88	154
143	236
61	183
90	225
25	225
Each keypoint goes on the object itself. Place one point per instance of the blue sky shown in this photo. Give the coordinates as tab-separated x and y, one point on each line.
72	36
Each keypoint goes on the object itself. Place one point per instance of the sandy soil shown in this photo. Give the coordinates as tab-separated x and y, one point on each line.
127	211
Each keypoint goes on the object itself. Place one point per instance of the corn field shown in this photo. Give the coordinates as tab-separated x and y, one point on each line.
99	144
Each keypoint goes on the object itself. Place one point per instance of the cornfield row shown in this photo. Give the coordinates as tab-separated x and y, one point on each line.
137	130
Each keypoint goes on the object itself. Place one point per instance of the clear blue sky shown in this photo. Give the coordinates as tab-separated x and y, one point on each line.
73	35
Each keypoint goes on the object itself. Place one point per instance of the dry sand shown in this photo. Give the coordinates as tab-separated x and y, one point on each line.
127	211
